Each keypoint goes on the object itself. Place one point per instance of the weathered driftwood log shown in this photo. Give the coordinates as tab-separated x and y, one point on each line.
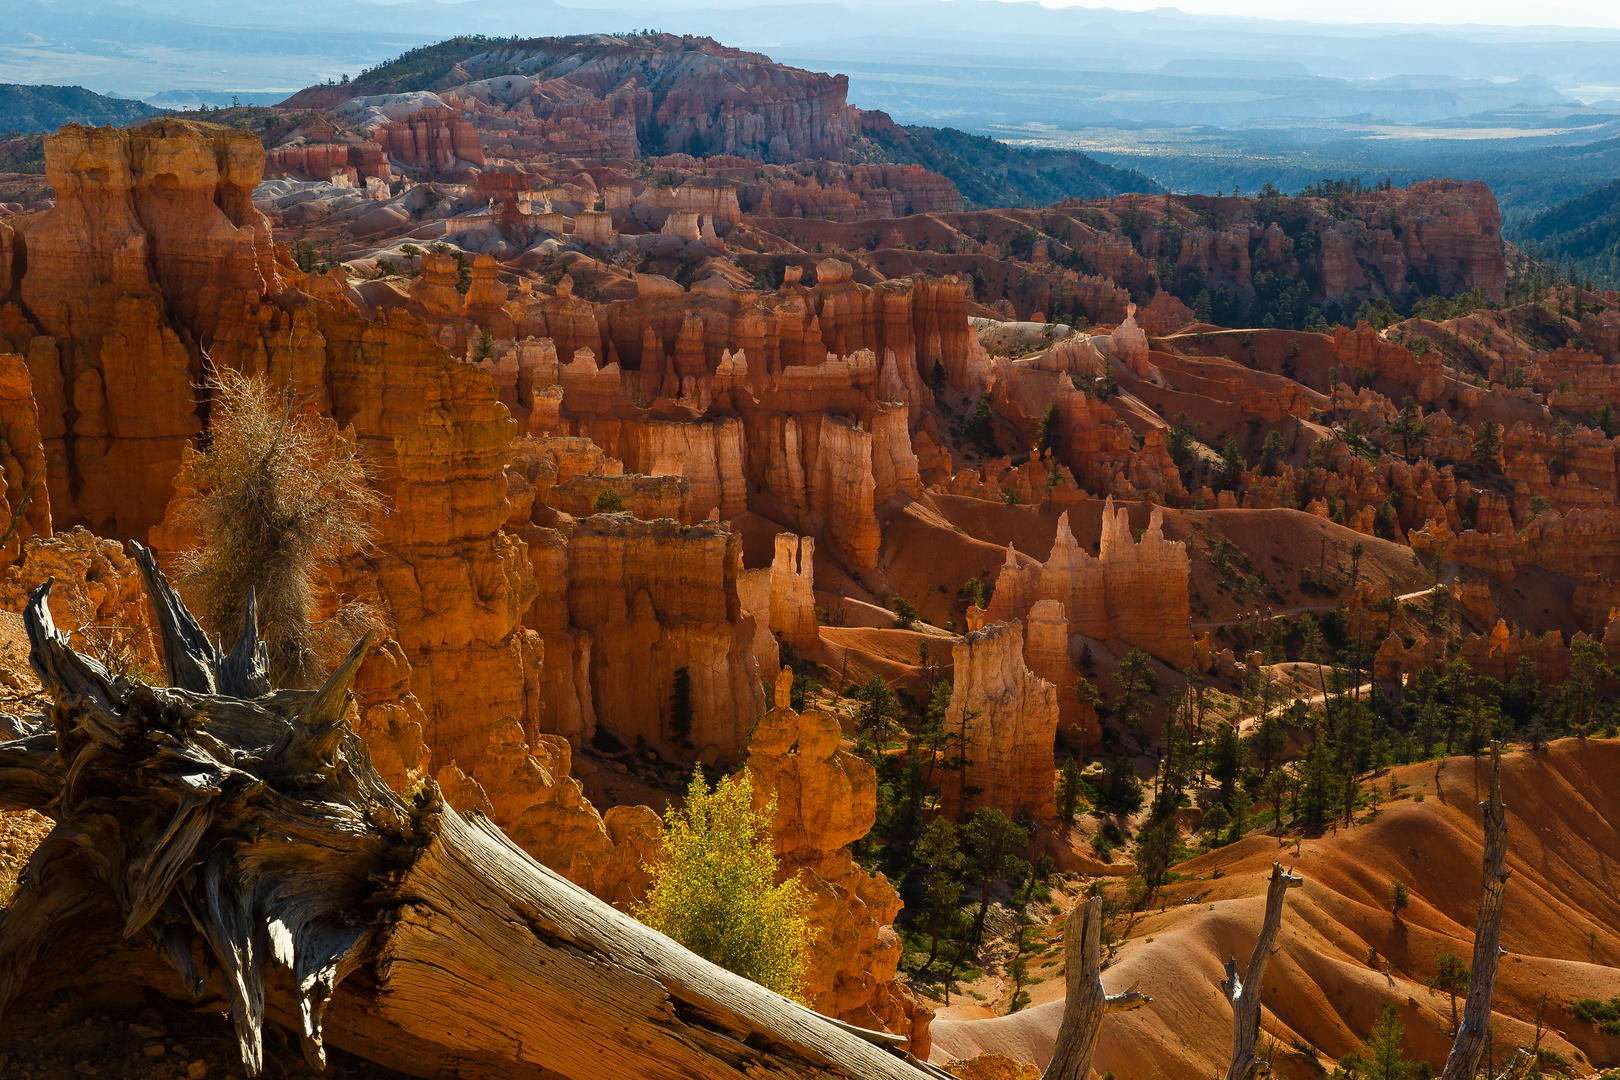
242	836
1084	1002
1463	1061
1245	995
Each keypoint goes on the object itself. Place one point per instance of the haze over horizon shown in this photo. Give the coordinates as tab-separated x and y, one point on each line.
1574	14
1086	487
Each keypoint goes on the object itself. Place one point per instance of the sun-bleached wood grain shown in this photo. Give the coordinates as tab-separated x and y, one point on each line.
1474	1028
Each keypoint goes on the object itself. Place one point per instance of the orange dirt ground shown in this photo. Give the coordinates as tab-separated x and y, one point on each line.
1322	993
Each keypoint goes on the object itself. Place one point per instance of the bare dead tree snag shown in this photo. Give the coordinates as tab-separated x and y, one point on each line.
1085	1002
1245	995
1519	1067
1463	1061
239	839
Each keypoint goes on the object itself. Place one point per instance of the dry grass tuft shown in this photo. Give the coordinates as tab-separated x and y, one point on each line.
278	491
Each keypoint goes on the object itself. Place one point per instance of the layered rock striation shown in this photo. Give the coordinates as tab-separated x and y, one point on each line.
647	602
1134	590
152	255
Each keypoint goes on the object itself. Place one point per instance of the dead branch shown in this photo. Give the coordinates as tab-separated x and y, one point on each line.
1463	1061
1519	1067
1245	995
1085	1002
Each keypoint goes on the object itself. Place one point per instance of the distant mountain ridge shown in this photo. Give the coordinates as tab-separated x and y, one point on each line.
992	173
418	69
646	93
28	109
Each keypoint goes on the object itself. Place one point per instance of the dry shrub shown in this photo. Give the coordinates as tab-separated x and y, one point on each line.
277	493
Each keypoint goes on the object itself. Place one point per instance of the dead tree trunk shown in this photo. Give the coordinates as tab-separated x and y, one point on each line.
242	837
1463	1061
1245	995
1084	1001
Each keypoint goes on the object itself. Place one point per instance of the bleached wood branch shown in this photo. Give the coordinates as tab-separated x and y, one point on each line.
1244	994
1472	1030
1085	1002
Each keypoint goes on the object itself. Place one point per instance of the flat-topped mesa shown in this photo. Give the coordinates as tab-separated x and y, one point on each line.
599	96
1010	717
1134	591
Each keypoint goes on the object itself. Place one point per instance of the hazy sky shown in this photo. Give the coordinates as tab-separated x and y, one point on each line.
1605	13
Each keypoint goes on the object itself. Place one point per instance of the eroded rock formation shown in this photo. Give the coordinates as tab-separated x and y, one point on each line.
1008	717
153	253
655	598
27	511
526	788
826	798
1134	590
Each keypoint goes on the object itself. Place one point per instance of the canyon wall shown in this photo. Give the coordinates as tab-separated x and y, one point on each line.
657	598
152	255
154	258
